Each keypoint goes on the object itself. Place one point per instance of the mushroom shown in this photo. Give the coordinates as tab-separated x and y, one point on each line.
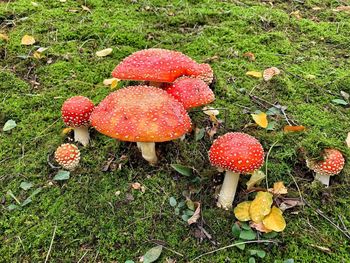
160	65
76	113
332	164
191	92
141	114
68	156
236	153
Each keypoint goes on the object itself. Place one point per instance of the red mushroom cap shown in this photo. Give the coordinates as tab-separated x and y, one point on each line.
191	92
160	65
141	114
76	111
332	164
237	152
68	156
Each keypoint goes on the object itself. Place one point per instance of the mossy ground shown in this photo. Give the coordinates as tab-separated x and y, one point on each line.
96	224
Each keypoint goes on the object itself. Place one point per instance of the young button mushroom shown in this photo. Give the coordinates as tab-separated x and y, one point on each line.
332	164
160	65
236	153
68	156
76	113
141	114
191	92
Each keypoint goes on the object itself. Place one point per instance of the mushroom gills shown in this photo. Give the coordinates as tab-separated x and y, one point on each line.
148	150
324	179
81	134
228	190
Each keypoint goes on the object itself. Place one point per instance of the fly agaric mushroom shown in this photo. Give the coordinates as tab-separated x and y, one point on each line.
191	92
76	113
332	164
141	114
68	156
236	153
160	65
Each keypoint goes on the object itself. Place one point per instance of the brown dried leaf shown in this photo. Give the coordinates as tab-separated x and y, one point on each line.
296	14
290	203
85	8
250	56
259	226
269	73
136	186
197	214
4	37
260	206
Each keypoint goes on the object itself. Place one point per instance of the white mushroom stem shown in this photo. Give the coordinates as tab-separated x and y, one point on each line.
148	150
228	190
324	179
81	135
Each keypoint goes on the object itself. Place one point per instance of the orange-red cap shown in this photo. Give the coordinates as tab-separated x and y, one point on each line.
141	114
68	156
332	164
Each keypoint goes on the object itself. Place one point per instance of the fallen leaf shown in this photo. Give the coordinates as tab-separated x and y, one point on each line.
67	130
250	56
260	206
181	169
210	111
342	8
199	134
256	178
37	55
278	189
260	227
4	37
323	249
26	185
9	125
344	94
197	213
254	74
152	254
61	175
113	82
289	128
340	102
274	220
241	211
290	203
42	49
261	119
104	52
348	140
27	40
269	73
85	8
136	185
296	14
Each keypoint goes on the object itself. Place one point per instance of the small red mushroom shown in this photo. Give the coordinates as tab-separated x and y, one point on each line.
332	164
141	114
68	156
160	65
76	113
236	153
191	92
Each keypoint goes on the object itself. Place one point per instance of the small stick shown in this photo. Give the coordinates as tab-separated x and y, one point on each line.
53	237
267	161
234	245
83	256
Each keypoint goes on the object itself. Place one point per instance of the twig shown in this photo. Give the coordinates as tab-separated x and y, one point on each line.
53	237
343	224
296	184
267	161
234	245
83	256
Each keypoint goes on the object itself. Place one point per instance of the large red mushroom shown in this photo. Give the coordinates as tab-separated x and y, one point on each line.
76	113
160	65
141	114
236	153
332	164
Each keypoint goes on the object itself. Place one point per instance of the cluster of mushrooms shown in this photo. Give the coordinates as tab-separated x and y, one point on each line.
156	111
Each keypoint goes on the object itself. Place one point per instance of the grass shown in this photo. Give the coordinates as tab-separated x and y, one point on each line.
95	221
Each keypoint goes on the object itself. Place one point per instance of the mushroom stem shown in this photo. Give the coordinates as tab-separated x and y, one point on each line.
81	135
148	150
324	179
228	190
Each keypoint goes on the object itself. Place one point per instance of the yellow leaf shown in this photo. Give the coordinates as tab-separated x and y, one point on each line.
4	37
241	211
348	140
261	119
255	179
275	220
278	189
66	130
37	55
269	73
27	40
210	111
255	74
260	206
113	82
250	56
104	52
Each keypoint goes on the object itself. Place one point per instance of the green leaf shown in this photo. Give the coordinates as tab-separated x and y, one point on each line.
289	260
27	201
190	204
236	230
26	185
188	212
185	217
340	102
9	192
245	226
199	134
61	175
251	260
177	211
261	253
181	204
9	125
273	111
12	207
272	234
247	235
181	169
172	201
271	126
152	254
129	261
241	246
